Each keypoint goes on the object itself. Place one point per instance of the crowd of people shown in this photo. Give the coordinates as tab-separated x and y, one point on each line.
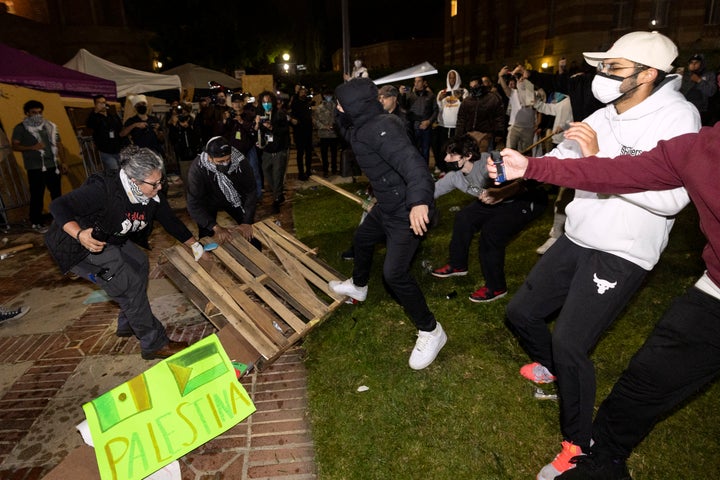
627	101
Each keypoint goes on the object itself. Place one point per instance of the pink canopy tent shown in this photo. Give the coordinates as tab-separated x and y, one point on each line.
21	68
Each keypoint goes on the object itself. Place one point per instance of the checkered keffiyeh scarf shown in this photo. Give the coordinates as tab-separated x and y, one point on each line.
226	186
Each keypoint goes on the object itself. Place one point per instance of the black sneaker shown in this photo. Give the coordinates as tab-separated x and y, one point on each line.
12	313
348	255
596	467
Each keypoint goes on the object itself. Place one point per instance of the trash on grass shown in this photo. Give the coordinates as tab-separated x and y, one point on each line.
541	394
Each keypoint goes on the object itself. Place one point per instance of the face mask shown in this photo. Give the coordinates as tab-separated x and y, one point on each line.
453	166
267	106
328	98
222	167
35	120
141	109
606	89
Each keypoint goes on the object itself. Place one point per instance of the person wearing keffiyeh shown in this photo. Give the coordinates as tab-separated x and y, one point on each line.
39	142
221	178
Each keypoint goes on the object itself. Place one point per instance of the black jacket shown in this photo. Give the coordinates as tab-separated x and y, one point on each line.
397	172
101	202
205	199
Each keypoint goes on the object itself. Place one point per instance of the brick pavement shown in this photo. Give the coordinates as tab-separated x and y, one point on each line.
41	357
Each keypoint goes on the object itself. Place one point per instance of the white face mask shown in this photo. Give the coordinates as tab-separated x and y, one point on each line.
606	89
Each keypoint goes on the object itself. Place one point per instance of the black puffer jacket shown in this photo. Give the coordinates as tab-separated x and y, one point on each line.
397	172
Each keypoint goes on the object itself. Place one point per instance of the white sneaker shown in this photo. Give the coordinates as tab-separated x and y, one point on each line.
548	243
349	288
427	346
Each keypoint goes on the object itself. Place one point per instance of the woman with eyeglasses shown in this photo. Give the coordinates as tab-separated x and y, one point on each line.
97	229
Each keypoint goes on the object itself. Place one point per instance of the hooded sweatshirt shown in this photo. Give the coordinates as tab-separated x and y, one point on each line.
632	226
449	105
397	172
686	160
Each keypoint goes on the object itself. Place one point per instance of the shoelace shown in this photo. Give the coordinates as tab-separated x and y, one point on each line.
423	339
8	313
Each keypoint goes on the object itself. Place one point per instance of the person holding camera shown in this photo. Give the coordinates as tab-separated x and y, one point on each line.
524	119
244	125
482	114
97	229
274	140
448	100
143	129
184	139
106	126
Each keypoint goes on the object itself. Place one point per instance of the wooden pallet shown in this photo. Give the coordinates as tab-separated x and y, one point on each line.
264	301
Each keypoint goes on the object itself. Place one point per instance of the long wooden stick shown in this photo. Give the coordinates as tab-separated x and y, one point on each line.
16	249
528	149
339	190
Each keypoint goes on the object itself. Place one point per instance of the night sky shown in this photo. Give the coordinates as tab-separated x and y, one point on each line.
239	32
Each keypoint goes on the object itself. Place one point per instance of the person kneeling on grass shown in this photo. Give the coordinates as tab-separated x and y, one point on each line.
500	212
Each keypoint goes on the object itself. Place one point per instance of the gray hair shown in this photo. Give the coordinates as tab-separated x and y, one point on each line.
139	163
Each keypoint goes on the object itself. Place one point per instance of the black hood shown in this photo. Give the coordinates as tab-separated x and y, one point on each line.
359	99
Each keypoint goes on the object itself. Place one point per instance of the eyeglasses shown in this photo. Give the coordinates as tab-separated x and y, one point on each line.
612	68
153	185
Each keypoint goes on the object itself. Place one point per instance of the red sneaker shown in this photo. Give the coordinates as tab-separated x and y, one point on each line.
536	372
448	271
561	463
483	295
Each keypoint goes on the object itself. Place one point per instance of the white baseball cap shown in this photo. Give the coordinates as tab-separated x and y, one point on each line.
651	49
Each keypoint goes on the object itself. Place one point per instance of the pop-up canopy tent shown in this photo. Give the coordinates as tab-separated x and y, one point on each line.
195	77
21	68
128	80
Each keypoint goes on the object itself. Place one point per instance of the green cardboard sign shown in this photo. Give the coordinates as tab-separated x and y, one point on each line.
166	412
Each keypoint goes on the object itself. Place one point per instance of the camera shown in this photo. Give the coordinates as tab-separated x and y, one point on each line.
98	233
183	118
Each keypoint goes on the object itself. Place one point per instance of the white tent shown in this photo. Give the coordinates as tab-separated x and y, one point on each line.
197	77
128	80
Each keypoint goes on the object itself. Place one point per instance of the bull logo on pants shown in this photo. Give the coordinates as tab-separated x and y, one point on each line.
602	285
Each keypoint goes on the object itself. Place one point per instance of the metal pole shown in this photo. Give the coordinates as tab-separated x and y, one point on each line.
346	37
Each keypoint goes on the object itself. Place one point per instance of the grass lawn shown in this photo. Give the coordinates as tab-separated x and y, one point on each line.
470	415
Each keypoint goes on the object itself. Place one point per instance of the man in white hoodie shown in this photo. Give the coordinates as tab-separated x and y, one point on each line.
611	242
448	100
